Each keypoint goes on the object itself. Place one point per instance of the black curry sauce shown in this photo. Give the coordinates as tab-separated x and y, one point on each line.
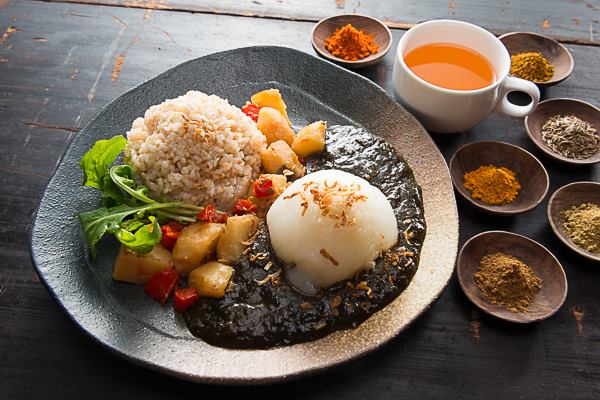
261	310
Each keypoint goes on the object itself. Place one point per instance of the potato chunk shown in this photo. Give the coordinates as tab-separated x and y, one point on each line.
271	98
211	279
274	126
237	230
195	245
279	156
138	268
310	139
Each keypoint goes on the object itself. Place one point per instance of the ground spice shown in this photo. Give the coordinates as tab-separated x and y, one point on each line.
532	66
571	137
582	224
493	185
508	282
350	44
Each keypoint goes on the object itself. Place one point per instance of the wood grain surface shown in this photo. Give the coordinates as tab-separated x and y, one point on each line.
60	63
573	21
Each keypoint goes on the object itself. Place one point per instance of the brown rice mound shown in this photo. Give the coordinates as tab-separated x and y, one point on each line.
197	149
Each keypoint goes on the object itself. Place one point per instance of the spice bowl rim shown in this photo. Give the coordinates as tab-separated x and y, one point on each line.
555	79
480	303
492	209
365	62
558	232
594	159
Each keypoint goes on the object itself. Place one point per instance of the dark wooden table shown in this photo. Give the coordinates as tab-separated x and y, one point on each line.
61	61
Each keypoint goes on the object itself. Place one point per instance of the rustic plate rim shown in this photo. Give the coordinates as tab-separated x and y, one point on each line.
139	360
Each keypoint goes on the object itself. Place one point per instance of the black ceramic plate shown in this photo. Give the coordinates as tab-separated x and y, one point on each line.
121	317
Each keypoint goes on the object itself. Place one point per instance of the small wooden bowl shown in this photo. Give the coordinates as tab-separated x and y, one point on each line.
325	28
555	53
530	172
554	282
573	194
549	108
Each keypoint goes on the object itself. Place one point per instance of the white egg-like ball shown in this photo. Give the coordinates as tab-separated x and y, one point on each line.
329	225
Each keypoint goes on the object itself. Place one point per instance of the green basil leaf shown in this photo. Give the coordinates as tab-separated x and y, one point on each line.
98	222
144	238
96	162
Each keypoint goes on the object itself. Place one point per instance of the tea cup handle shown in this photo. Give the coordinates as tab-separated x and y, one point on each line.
512	84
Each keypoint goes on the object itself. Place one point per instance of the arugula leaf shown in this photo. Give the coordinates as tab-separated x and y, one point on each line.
97	222
122	176
111	194
124	202
97	160
131	225
144	238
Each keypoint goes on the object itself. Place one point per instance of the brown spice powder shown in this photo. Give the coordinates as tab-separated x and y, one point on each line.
506	281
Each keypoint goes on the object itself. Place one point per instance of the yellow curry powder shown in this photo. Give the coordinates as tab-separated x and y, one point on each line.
532	66
350	44
493	185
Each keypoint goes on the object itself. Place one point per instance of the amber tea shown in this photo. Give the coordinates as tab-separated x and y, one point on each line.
451	66
451	75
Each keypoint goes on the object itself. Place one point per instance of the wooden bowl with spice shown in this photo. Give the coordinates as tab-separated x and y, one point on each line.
498	178
567	130
538	58
352	40
511	277
574	215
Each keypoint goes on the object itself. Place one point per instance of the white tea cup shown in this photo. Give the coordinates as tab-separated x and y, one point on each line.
447	110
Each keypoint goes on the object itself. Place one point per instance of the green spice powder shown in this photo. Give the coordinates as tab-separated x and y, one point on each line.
582	224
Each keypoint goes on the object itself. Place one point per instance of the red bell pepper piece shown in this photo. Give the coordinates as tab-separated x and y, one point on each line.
161	285
210	214
263	189
251	110
184	298
170	232
243	206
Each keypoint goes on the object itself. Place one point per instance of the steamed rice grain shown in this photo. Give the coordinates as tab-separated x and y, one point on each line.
197	149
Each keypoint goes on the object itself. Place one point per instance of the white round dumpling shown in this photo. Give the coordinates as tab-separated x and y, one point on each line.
329	225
